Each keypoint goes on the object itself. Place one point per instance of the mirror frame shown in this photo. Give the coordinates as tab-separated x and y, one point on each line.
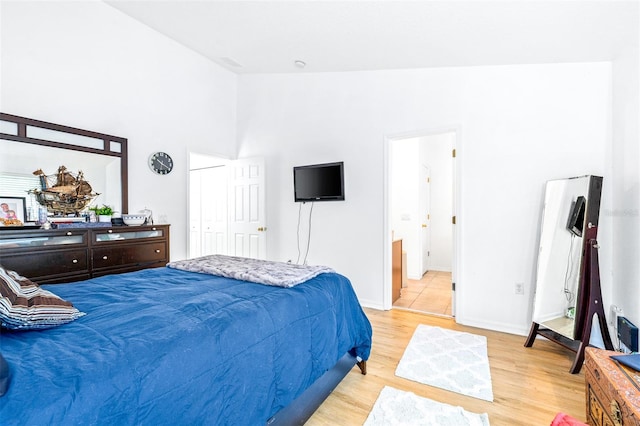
589	298
592	192
591	224
23	123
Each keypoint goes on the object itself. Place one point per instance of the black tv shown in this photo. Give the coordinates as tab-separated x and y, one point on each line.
576	217
319	182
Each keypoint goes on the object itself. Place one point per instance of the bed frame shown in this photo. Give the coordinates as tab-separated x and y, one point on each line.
303	407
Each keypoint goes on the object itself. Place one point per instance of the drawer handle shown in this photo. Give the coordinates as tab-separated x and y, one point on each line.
616	414
69	233
110	231
104	257
596	373
75	260
157	250
153	229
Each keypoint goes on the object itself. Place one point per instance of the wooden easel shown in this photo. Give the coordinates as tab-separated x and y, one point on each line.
590	303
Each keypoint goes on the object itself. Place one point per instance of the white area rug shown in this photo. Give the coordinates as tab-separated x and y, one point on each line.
448	359
395	407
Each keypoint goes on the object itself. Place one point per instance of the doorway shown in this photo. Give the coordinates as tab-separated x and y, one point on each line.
207	205
421	205
226	207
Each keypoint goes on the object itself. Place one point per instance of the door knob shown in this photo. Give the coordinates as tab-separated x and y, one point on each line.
262	229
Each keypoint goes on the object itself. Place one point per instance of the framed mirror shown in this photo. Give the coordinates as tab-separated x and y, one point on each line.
27	145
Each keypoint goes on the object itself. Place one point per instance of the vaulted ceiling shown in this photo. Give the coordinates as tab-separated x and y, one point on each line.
269	36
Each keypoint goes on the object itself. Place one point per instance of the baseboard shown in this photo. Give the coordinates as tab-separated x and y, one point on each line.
371	304
493	326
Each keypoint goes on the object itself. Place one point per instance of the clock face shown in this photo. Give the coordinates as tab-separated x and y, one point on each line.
161	163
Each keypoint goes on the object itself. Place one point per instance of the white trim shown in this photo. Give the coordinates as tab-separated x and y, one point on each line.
386	239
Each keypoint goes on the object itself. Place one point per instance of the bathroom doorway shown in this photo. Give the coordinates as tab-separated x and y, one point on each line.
421	214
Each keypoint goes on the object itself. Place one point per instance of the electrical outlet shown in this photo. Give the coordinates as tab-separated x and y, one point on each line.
519	288
616	312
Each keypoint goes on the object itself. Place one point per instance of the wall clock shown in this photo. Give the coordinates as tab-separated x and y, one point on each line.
161	163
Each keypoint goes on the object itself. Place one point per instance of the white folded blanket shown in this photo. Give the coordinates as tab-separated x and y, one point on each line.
267	272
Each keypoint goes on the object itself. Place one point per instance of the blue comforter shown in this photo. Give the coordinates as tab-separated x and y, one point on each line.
164	346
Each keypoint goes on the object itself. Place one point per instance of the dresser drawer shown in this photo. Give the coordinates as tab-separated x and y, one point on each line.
37	265
130	254
599	414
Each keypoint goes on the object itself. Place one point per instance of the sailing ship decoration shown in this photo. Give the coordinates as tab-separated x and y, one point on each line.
63	193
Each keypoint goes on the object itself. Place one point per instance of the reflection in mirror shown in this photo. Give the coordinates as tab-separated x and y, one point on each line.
20	160
560	256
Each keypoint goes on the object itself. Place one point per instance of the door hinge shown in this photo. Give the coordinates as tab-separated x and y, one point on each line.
453	220
453	153
453	286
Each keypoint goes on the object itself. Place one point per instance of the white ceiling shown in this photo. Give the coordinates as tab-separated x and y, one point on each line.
268	36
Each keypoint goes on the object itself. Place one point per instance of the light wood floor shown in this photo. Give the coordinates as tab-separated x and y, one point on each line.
431	294
530	385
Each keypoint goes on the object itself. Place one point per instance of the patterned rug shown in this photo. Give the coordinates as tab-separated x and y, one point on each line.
395	407
448	359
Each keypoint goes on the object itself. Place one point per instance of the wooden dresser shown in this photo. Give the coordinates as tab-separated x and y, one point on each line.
613	390
73	254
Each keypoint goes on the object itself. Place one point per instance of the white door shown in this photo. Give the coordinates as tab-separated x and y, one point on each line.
214	210
424	189
208	211
247	225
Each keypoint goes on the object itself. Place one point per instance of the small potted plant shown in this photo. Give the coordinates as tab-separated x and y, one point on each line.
104	213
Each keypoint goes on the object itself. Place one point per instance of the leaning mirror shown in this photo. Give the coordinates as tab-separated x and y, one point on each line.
567	205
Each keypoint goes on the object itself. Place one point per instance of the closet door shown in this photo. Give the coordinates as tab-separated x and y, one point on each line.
208	214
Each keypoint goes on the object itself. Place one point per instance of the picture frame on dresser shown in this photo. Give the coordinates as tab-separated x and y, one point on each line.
13	208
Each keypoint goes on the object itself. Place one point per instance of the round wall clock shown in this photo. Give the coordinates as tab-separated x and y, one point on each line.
161	163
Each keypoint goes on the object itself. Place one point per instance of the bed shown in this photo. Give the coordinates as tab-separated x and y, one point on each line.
170	346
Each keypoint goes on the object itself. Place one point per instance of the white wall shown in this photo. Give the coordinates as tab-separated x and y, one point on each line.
86	65
404	201
625	185
519	127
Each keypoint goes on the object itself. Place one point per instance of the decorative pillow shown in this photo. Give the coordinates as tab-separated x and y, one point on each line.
4	376
24	305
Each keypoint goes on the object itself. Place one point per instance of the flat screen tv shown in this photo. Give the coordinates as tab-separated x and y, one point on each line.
319	182
576	217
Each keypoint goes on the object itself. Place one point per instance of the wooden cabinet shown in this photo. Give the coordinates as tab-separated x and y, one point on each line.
73	254
612	390
396	270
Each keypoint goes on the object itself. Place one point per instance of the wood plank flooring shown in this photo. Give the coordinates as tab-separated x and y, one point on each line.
530	385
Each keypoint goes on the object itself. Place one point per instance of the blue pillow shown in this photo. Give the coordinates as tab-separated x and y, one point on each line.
4	375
